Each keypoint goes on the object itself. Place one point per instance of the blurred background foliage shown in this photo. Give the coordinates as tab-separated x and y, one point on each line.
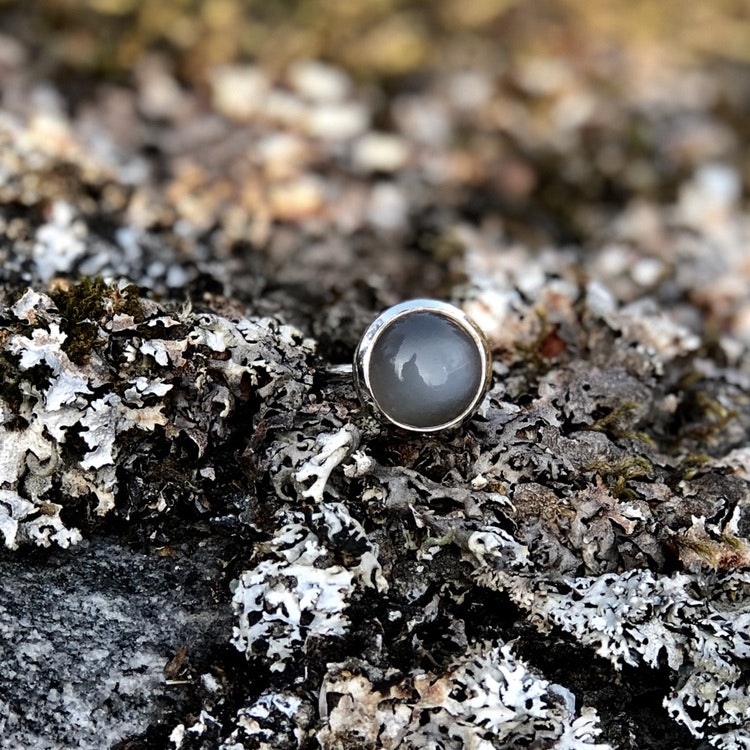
378	39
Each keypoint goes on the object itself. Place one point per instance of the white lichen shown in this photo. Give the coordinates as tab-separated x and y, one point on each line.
699	629
295	595
259	723
488	699
13	508
333	449
287	600
60	242
101	404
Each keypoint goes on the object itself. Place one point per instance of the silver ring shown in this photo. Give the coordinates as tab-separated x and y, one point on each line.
423	365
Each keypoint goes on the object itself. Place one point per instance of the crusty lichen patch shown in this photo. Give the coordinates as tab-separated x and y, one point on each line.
71	410
488	698
575	505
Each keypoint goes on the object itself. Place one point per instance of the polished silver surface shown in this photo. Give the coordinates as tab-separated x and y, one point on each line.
424	365
340	370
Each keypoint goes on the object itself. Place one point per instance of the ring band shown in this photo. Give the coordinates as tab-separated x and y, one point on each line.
423	365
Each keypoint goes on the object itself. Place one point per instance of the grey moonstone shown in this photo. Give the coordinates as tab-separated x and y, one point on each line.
425	370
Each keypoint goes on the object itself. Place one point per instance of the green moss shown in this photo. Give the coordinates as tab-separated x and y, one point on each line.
617	424
617	475
128	302
713	416
688	468
727	552
83	307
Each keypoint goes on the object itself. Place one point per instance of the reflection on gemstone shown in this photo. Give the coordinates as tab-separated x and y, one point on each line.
425	370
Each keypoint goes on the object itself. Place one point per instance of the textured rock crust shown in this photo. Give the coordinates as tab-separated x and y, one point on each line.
209	543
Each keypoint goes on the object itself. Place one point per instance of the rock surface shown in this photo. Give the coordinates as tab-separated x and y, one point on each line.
86	634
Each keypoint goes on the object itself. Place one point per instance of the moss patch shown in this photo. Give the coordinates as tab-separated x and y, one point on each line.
83	308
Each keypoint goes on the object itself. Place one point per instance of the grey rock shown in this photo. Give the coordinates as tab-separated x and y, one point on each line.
86	635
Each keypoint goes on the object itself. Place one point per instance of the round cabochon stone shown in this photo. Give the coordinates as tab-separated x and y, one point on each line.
425	370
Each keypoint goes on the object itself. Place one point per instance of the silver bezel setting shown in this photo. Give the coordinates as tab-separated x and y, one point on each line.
384	320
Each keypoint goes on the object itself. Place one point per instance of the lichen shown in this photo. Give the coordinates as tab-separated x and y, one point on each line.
186	250
68	419
292	596
696	627
82	307
487	699
272	719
